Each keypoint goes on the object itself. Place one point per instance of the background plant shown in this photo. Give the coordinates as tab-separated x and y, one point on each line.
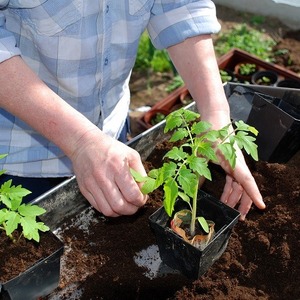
247	39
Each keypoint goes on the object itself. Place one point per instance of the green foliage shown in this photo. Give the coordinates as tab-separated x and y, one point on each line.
244	38
149	58
176	83
185	164
15	213
247	69
225	76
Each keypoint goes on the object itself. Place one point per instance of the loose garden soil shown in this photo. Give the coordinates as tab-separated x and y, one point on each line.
260	262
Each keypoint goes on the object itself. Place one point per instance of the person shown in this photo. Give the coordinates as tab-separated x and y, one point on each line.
64	92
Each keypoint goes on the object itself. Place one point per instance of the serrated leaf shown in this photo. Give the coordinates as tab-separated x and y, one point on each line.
229	153
187	181
168	170
246	142
189	115
3	215
200	127
184	197
12	223
206	150
28	210
137	176
171	192
199	165
18	192
176	154
173	120
5	200
148	186
179	135
242	126
203	223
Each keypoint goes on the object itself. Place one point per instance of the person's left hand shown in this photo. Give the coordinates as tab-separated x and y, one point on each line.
240	187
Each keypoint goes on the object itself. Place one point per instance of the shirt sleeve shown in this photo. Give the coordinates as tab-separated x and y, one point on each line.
8	45
172	22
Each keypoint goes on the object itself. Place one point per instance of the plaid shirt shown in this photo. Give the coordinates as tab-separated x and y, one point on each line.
84	50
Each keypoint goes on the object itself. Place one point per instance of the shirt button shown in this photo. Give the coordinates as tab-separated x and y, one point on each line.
106	61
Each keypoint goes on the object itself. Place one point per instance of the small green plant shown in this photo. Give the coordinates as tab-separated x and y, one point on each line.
184	165
14	213
247	39
247	69
158	118
176	83
225	76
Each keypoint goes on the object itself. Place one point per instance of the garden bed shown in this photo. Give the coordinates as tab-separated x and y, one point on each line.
117	258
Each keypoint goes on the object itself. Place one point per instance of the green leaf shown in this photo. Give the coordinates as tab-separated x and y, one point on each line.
28	210
200	127
2	155
137	176
206	150
184	197
179	135
148	186
12	223
171	193
18	192
31	228
187	181
203	223
173	120
229	153
242	126
246	141
199	165
176	154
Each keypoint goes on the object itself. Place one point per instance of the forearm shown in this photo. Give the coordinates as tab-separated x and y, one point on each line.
24	95
196	63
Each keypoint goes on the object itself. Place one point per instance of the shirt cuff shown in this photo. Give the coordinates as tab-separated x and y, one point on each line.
174	26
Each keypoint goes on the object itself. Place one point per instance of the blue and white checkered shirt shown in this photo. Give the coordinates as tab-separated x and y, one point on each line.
84	50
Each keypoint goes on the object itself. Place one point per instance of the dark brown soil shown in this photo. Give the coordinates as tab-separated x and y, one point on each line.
16	257
260	262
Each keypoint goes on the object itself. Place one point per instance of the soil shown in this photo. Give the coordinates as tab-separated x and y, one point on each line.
18	256
260	261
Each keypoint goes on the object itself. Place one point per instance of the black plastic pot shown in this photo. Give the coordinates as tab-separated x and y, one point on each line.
266	77
181	255
289	83
37	281
278	126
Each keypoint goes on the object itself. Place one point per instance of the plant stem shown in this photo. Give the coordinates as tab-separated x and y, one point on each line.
194	210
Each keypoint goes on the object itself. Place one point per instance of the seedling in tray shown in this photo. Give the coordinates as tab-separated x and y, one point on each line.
14	214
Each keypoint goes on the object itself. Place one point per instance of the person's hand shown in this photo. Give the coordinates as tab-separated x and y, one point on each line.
240	190
240	187
102	168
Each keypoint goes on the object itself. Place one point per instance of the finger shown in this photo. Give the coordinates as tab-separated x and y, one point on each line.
98	203
235	195
250	187
114	200
227	189
245	205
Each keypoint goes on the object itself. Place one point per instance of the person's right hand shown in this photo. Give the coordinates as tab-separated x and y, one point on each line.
102	168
